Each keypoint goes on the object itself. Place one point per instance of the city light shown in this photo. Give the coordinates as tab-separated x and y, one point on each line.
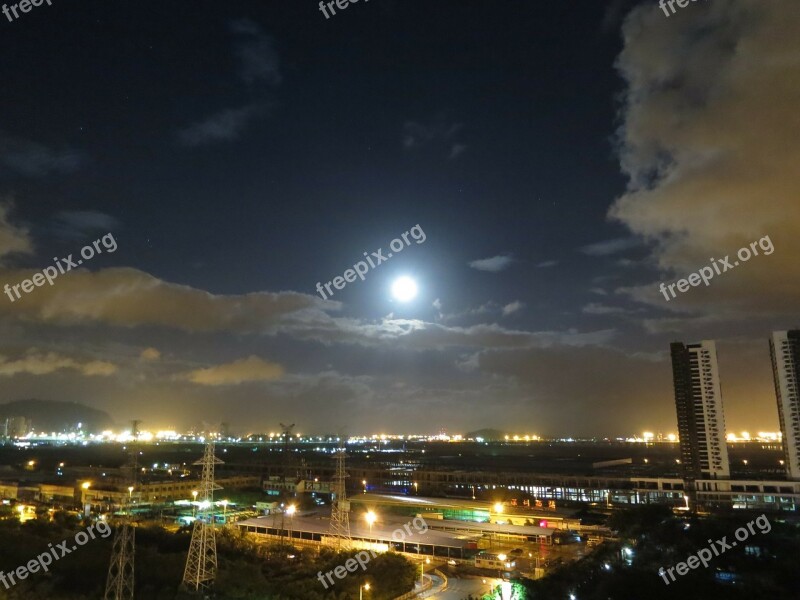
370	517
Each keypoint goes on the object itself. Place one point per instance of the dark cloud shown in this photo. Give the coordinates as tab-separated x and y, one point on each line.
33	159
77	224
256	53
224	126
608	247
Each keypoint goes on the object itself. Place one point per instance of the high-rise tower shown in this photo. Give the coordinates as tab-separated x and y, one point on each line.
784	347
701	421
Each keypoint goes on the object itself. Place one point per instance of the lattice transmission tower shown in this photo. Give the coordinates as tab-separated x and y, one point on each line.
340	506
201	562
119	582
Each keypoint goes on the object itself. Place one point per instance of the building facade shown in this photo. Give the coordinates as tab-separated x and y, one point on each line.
698	401
784	347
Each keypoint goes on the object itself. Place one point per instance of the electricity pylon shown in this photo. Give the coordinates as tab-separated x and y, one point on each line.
340	506
287	462
201	562
119	582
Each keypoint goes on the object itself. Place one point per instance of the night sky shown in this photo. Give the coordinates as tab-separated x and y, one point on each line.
562	159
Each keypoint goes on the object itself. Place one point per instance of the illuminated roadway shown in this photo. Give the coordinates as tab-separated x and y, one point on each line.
458	589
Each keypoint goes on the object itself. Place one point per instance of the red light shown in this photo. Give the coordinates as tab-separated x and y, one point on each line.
543	523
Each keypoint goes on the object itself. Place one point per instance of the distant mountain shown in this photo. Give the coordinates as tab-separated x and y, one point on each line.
490	435
50	415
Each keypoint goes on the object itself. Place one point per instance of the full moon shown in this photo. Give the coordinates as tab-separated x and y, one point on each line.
404	289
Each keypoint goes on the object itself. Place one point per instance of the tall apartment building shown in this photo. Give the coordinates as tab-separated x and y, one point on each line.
784	347
698	400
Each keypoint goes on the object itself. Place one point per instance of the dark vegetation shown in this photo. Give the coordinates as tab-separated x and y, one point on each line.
247	570
763	567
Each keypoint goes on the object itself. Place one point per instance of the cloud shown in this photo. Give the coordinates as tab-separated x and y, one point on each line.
615	12
76	224
245	370
33	159
513	307
440	132
128	297
586	390
12	239
419	335
36	363
599	309
150	354
256	53
547	264
488	308
226	125
437	304
493	264
457	150
710	168
607	247
258	63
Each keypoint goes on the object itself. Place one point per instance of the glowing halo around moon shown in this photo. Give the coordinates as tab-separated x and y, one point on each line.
404	289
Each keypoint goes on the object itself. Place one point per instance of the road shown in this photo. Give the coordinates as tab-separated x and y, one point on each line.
458	589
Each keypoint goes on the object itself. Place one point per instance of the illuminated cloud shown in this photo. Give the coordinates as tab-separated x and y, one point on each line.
492	264
36	363
709	143
129	298
414	334
245	370
12	239
511	308
149	354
